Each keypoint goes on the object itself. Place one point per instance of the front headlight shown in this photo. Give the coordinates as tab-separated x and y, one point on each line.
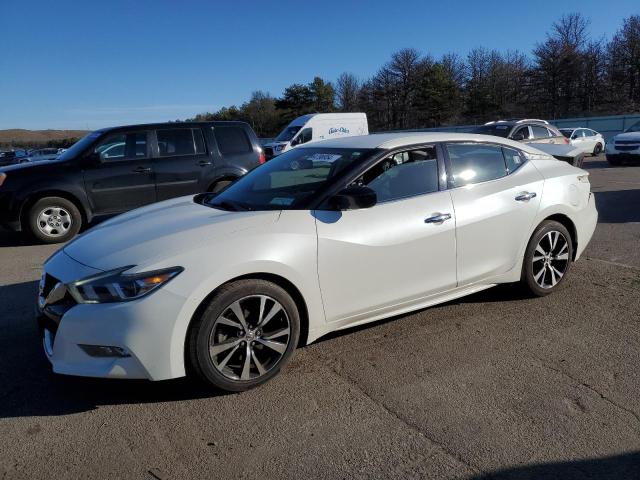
117	286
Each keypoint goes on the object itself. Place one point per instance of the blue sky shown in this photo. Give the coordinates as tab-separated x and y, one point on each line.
90	64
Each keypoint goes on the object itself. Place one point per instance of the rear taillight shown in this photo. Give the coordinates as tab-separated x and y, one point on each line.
566	140
262	158
3	176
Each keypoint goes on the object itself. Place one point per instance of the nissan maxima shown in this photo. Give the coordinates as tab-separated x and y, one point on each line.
321	238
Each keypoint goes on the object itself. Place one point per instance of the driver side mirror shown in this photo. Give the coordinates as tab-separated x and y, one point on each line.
353	198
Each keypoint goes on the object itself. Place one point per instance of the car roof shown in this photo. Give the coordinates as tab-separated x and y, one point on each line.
174	125
390	141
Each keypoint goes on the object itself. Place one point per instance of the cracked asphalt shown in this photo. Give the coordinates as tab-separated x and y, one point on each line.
490	386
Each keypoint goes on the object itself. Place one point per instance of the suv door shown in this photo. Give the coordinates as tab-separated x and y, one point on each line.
496	195
182	163
396	253
118	176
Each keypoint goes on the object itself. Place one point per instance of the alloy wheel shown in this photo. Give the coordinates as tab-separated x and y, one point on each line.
550	259
249	337
54	221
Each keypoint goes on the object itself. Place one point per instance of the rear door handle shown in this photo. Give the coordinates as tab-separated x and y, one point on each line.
525	196
142	170
204	163
440	218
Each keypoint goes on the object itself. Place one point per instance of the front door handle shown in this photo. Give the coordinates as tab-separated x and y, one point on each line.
142	170
204	163
525	196
438	219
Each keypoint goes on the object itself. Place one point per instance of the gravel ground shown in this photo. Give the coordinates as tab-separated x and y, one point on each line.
490	386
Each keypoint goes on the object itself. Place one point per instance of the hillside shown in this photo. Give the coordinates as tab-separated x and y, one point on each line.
20	137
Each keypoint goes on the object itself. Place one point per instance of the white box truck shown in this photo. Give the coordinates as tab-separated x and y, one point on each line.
315	127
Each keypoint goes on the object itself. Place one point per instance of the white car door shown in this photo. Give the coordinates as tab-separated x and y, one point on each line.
394	253
496	196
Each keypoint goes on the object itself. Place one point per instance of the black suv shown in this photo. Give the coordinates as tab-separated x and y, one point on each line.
118	169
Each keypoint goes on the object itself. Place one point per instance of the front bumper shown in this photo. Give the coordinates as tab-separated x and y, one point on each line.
143	329
9	211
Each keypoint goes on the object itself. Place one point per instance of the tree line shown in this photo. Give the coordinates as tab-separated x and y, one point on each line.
567	74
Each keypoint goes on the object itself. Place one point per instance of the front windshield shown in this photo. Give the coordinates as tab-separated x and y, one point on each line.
289	181
496	130
287	134
634	128
79	146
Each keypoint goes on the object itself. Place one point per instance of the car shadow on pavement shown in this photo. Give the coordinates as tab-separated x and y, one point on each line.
28	387
10	238
618	206
617	467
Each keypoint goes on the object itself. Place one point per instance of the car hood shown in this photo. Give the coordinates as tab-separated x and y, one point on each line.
158	232
628	136
27	165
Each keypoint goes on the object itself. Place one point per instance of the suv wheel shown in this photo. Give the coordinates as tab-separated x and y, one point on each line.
245	336
547	259
219	186
54	220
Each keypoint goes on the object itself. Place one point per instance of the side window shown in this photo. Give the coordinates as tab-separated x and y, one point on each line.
539	131
232	140
123	147
178	141
521	134
512	158
588	133
404	174
306	135
475	163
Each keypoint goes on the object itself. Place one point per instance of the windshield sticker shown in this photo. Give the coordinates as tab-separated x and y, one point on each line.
281	201
324	157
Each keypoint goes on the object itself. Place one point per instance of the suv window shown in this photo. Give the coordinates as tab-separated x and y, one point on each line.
521	133
232	140
475	163
123	147
180	141
540	131
404	174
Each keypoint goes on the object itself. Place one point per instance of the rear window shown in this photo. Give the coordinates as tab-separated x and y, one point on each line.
496	130
232	140
540	132
180	141
566	133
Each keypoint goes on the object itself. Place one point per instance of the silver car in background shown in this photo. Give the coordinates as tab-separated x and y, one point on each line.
587	140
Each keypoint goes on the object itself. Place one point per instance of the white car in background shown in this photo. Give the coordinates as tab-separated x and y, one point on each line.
587	140
321	238
625	147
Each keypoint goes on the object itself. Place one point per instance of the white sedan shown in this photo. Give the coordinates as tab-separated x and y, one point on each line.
321	238
587	140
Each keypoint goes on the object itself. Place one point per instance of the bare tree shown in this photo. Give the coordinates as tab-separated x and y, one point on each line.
347	89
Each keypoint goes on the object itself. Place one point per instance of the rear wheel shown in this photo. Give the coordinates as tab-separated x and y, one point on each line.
245	336
547	259
220	185
597	150
54	220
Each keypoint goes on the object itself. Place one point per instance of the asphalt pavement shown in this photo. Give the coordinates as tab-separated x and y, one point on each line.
489	386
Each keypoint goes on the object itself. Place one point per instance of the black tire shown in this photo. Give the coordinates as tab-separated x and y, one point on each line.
614	162
201	334
531	268
597	150
219	186
65	220
578	161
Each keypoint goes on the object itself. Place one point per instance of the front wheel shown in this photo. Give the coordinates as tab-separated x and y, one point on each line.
547	259
245	336
54	220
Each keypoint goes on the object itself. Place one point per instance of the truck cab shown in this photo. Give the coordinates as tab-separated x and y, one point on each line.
315	127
